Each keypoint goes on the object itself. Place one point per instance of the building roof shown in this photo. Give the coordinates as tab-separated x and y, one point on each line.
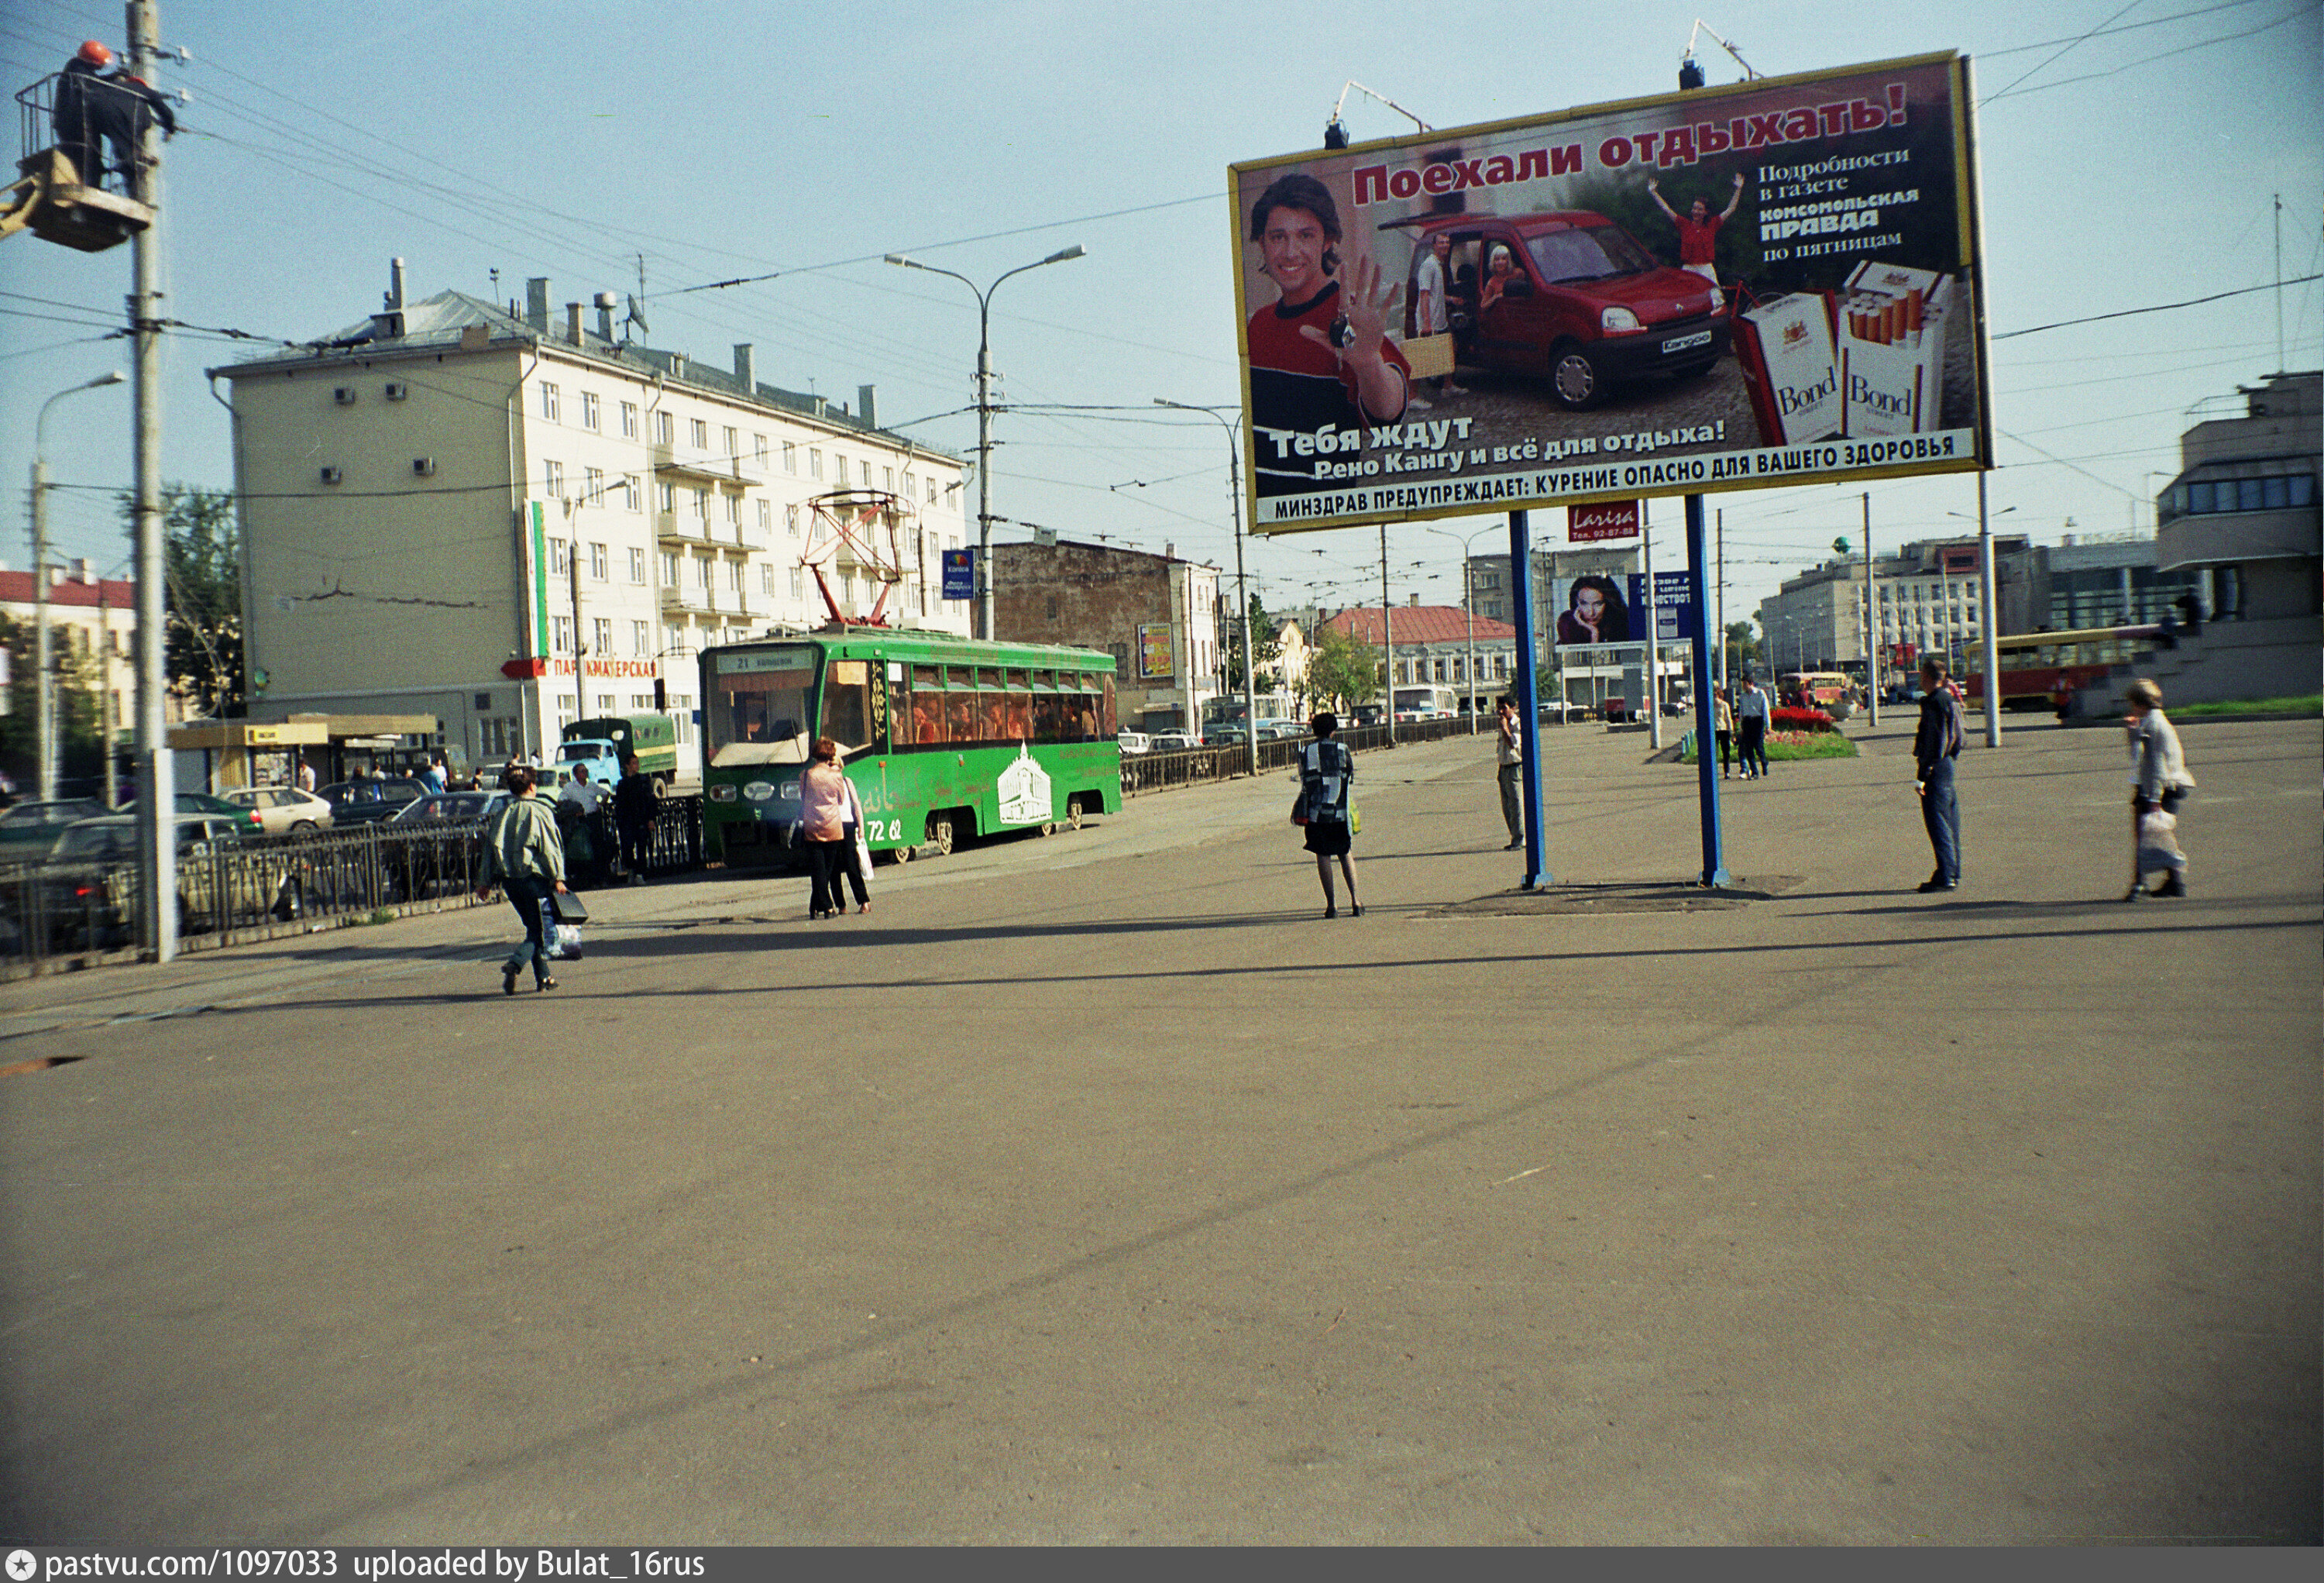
1421	624
119	593
438	322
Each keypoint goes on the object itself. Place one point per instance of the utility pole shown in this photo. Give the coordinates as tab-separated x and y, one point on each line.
1388	645
1718	558
1990	654
1654	628
1871	626
157	789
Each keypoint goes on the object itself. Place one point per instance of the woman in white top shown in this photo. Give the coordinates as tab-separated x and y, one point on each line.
2159	783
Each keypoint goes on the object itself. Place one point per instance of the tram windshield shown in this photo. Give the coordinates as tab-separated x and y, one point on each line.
757	711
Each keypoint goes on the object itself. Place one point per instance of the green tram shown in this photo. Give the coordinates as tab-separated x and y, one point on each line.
945	737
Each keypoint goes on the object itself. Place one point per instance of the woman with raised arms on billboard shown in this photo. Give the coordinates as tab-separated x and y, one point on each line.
1594	613
1320	357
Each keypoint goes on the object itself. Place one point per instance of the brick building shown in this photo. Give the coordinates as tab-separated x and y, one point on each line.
1431	645
1157	616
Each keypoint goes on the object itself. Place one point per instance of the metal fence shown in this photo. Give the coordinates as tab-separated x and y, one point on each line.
57	914
1160	772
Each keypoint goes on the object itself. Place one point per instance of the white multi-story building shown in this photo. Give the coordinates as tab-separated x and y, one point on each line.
460	510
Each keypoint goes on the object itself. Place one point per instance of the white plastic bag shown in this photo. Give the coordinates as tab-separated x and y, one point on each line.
2158	842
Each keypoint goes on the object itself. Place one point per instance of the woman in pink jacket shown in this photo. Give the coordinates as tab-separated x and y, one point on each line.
828	806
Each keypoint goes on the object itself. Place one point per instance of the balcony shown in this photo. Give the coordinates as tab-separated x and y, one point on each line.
751	467
671	456
691	598
680	527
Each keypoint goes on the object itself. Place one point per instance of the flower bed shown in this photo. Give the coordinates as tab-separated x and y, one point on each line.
1796	720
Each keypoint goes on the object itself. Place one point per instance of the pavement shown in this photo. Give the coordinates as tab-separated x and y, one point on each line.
1095	1190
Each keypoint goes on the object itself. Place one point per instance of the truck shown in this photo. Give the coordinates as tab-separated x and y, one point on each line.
598	745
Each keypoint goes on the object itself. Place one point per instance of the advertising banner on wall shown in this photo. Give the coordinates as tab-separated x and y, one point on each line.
1156	656
1609	612
1773	282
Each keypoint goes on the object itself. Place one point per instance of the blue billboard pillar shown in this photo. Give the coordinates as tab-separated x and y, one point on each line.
1528	694
1706	708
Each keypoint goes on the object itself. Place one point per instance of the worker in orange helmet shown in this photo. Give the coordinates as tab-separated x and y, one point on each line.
115	108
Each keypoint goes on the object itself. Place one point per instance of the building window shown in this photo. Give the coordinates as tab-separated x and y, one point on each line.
790	456
700	504
734	509
634	494
549	401
629	420
589	409
593	485
798	583
560	635
734	443
681	716
888	480
601	562
791	520
813	463
601	633
735	576
560	557
698	432
701	572
865	473
552	479
759	449
767	578
640	638
766	515
670	569
604	703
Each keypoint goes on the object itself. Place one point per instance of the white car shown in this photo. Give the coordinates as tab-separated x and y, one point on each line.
1173	742
283	810
1134	742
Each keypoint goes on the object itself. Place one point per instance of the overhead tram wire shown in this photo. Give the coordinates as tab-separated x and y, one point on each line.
2304	8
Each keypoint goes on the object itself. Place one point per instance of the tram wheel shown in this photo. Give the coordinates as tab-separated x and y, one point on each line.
1073	812
940	834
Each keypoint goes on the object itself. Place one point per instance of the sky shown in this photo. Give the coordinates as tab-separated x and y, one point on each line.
2133	155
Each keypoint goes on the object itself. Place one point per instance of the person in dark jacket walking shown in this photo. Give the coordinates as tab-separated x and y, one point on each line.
636	806
1936	749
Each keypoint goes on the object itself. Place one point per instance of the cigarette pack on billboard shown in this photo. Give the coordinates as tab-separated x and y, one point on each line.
1892	338
1784	350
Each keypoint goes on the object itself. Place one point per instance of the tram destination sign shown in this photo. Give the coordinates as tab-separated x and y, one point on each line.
1772	283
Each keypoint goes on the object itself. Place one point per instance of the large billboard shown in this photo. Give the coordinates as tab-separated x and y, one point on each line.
1774	282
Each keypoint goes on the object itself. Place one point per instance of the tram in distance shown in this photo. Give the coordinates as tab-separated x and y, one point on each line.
2044	670
944	738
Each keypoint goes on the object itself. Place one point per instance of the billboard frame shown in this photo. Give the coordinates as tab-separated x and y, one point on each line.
1652	463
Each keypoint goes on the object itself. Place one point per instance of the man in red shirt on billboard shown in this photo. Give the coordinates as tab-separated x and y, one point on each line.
1698	233
1320	357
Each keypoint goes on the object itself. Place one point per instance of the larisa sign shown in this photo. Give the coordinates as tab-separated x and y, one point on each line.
1769	283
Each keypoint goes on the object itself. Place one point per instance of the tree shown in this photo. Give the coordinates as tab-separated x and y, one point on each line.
202	560
1263	640
1343	670
1742	648
80	708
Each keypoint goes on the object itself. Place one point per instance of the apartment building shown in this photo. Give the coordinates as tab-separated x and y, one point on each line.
469	512
1157	614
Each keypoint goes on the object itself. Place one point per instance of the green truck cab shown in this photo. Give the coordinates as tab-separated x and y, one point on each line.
599	746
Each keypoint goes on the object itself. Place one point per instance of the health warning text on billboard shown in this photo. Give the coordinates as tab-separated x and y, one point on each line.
1768	283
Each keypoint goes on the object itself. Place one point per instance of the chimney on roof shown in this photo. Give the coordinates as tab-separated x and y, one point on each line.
606	302
1415	601
387	325
1169	550
84	572
865	394
395	286
573	323
746	368
536	303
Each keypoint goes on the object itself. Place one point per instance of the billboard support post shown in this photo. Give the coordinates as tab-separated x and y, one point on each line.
1871	622
1988	650
1706	708
1528	698
1654	628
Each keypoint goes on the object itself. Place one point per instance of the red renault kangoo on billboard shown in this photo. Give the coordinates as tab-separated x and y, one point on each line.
1570	296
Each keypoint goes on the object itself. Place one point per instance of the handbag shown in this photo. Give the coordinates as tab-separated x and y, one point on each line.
1429	356
1299	806
569	908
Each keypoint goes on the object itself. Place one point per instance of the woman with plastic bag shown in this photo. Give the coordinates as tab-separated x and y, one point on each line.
524	852
826	802
2159	785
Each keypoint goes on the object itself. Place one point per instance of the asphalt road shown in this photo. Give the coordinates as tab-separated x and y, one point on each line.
1094	1188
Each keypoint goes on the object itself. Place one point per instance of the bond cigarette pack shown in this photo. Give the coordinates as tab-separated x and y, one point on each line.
1786	350
1890	321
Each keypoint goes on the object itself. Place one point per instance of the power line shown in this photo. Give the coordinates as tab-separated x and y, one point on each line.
2158	308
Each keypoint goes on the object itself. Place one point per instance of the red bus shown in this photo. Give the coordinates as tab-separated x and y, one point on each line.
2044	670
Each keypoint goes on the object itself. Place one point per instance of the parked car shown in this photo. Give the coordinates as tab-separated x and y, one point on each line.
432	841
99	856
283	810
1225	737
450	808
355	802
1134	742
35	825
186	802
1584	305
1280	730
1172	741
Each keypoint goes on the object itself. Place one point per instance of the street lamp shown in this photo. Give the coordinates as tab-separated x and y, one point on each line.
47	686
1468	605
984	415
1242	584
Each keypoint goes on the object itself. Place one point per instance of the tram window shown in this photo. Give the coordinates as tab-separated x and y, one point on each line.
1019	723
761	716
847	705
991	713
960	716
1047	712
1106	727
927	704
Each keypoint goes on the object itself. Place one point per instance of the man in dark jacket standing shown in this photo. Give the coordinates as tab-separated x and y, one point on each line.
635	807
1936	749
